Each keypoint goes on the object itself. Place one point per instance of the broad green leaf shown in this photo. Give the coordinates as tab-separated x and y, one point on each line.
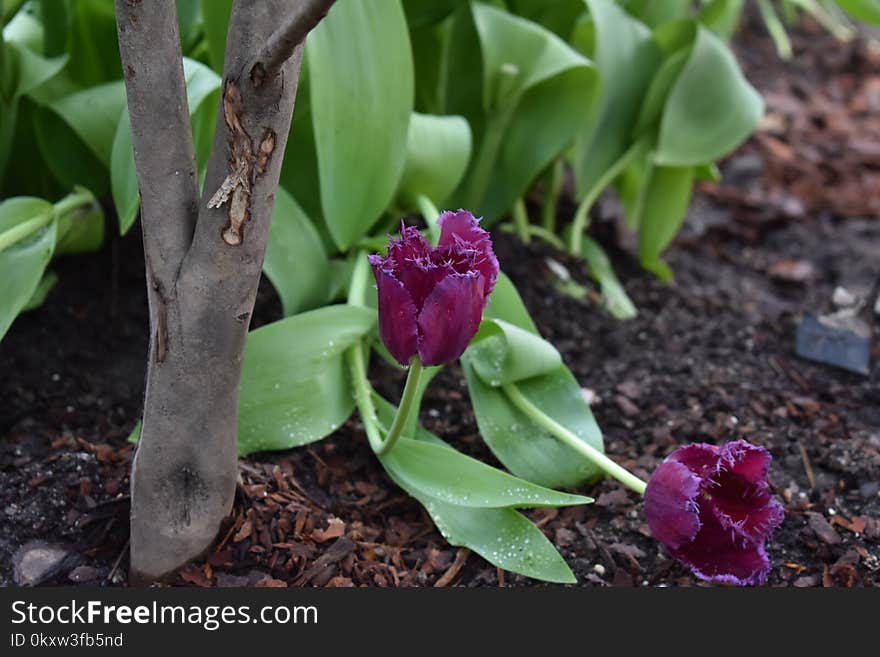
22	264
535	91
558	16
427	49
504	537
92	43
452	477
93	114
295	259
722	16
437	152
626	57
361	76
506	304
45	286
80	230
665	204
189	22
505	353
202	86
420	13
215	14
651	109
524	448
867	11
658	12
295	385
711	108
29	69
613	295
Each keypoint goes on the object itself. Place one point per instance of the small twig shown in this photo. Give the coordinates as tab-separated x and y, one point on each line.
281	44
460	557
808	468
117	562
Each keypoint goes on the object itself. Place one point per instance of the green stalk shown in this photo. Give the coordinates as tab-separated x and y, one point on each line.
552	191
776	29
521	221
540	232
363	395
579	223
405	408
565	436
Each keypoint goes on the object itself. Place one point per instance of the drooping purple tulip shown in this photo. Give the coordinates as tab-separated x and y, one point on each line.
712	509
431	299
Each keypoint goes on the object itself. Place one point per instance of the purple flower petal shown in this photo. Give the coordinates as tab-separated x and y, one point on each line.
713	555
462	231
723	492
397	314
450	318
670	504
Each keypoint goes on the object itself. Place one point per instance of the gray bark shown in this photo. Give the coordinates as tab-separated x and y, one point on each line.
204	257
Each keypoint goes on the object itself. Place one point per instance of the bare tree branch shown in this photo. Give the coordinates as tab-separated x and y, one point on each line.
279	48
160	127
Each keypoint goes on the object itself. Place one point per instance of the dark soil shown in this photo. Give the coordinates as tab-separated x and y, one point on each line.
709	358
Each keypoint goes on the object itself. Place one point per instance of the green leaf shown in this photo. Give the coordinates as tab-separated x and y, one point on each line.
711	108
92	43
524	448
651	109
665	204
216	15
295	386
558	16
80	230
505	303
37	299
22	264
296	262
502	536
613	295
536	90
202	86
867	11
31	70
626	57
452	477
361	76
505	353
438	149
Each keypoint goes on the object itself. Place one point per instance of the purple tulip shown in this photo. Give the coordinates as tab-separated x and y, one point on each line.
431	299
712	508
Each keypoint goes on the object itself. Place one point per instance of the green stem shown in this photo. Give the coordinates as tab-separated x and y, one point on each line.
551	195
521	221
355	356
579	223
565	436
537	231
363	395
429	213
405	408
20	231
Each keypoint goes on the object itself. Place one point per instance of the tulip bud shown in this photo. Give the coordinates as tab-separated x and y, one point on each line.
431	299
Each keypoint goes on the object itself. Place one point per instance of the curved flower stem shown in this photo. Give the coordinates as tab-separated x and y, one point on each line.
363	395
579	223
405	408
521	221
565	436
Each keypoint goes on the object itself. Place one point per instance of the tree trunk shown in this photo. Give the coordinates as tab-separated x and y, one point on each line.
204	257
